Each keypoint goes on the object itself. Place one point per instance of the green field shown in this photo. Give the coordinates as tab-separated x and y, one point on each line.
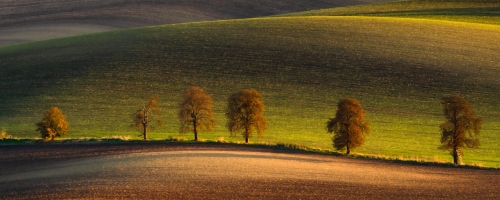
473	11
398	68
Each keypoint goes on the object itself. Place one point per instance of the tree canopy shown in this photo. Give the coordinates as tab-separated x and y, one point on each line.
142	117
461	127
245	113
348	125
195	111
53	124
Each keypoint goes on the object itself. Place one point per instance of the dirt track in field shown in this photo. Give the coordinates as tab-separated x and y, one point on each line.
212	171
34	20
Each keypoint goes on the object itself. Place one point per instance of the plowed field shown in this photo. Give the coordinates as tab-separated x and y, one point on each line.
209	171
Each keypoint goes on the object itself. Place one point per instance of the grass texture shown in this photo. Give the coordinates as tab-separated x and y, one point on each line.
473	11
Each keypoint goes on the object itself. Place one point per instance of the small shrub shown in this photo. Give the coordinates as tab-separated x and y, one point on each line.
4	134
53	124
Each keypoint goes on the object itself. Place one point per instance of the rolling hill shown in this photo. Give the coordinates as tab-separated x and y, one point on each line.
398	68
28	20
474	11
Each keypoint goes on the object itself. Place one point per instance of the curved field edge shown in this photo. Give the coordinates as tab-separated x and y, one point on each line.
26	21
398	69
482	12
151	12
222	145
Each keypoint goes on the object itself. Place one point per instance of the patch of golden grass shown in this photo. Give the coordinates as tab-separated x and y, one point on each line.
4	134
478	165
121	137
403	158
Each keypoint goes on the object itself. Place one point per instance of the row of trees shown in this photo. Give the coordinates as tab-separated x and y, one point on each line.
461	127
244	112
245	115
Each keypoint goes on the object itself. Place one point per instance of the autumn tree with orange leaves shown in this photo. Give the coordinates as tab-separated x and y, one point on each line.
348	125
195	111
461	128
245	113
143	117
53	124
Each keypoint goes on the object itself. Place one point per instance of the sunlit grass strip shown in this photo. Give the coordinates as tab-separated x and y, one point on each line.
472	11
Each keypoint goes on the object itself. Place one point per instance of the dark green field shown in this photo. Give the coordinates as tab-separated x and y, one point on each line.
398	68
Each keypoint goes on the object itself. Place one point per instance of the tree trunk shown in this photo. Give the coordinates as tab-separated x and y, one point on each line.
247	134
455	138
145	123
195	131
348	150
144	133
455	156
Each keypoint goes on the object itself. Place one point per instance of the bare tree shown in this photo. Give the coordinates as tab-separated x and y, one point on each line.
53	124
348	125
195	111
245	112
461	128
142	117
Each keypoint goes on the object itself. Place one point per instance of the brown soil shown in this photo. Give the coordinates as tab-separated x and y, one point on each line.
222	171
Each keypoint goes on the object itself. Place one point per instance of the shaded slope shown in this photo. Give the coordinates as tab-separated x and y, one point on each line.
27	20
475	11
152	11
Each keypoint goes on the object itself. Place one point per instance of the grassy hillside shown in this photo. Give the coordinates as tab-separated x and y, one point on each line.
474	11
397	68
